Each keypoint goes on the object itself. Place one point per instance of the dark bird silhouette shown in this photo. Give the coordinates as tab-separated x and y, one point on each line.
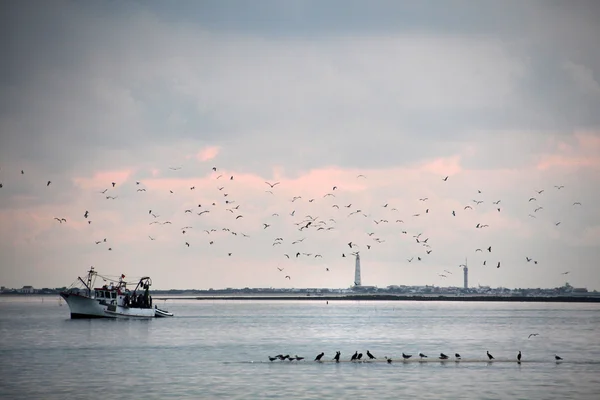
491	357
371	356
445	179
272	185
519	356
457	356
272	358
443	356
422	355
288	277
319	356
359	356
498	266
532	334
557	358
489	249
337	356
48	184
406	356
354	356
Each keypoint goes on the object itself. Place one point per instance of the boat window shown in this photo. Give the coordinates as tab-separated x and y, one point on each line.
107	295
114	295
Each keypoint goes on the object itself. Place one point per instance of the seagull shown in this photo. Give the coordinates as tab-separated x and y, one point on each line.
288	277
406	356
532	334
422	355
557	358
272	185
577	203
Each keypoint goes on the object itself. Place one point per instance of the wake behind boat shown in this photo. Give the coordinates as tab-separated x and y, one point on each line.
112	300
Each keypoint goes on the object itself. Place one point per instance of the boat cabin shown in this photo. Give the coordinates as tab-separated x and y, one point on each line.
120	295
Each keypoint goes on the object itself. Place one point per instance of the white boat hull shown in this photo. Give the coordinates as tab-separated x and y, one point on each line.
129	312
86	307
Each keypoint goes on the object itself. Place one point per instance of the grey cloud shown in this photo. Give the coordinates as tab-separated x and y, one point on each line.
89	86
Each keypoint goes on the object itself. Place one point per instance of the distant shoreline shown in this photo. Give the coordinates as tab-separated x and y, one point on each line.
503	299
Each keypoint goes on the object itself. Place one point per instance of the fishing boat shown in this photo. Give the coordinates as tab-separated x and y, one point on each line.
113	300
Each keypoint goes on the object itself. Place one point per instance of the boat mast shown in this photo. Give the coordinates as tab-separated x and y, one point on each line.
91	273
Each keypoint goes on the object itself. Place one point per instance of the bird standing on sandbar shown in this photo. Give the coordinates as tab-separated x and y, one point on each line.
457	356
443	356
519	356
354	356
337	356
491	357
406	356
422	355
557	358
319	356
371	356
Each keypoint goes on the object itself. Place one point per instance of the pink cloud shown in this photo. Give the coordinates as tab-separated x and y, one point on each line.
104	179
584	153
208	153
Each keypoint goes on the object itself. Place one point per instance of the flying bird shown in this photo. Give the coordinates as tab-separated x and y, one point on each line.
272	185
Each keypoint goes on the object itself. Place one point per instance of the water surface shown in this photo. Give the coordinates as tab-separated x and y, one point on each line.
218	349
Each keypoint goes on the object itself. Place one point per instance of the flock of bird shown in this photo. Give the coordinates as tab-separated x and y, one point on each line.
358	357
306	224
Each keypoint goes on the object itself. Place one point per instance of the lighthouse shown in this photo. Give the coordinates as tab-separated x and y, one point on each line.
357	271
466	275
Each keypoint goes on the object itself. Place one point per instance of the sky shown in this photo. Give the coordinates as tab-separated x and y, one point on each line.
381	100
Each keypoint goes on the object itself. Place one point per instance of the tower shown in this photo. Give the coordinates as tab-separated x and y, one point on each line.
357	271
466	275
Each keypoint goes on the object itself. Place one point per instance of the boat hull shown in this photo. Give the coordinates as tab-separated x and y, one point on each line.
162	313
128	312
84	307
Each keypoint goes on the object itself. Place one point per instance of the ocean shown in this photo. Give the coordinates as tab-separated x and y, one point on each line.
219	350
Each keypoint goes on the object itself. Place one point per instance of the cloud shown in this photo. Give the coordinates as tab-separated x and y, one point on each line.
310	95
208	153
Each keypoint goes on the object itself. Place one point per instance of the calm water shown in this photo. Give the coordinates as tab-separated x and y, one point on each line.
219	349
